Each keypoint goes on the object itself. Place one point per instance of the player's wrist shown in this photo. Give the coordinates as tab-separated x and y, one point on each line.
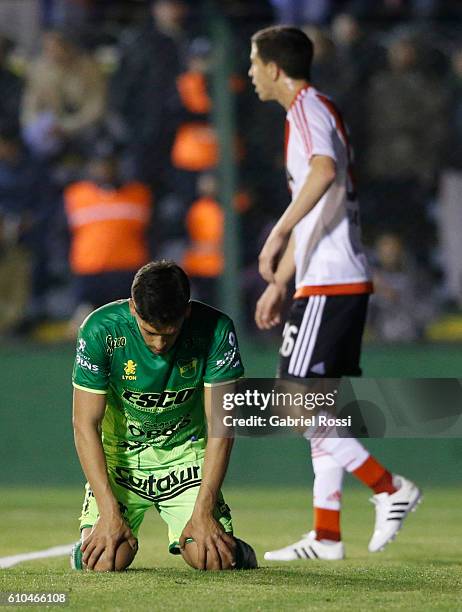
204	506
110	513
280	285
202	515
280	230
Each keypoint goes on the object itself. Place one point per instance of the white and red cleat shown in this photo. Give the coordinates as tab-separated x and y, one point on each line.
390	511
308	548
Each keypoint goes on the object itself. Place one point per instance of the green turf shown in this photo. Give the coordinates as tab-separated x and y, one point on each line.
421	570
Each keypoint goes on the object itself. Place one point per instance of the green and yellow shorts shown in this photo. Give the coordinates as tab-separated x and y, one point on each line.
172	491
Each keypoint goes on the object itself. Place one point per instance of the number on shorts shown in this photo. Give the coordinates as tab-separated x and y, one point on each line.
288	339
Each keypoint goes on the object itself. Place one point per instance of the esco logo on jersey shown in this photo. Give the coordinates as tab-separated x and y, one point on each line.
161	400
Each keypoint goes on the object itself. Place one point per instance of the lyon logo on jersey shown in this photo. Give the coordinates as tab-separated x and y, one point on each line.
130	370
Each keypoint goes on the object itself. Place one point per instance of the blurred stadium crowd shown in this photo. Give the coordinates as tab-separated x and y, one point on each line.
108	151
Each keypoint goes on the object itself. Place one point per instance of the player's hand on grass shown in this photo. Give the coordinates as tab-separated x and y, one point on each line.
268	258
269	306
104	539
214	546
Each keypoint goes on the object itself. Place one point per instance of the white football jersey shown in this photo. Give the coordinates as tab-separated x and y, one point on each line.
329	256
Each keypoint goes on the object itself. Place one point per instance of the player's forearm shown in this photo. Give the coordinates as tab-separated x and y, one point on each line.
91	455
216	461
318	181
286	266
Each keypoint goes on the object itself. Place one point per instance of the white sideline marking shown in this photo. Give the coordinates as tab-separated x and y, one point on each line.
56	551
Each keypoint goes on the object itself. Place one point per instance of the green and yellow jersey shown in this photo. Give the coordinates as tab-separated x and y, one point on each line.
154	403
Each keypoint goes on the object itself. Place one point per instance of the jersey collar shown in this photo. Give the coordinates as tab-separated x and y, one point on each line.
297	95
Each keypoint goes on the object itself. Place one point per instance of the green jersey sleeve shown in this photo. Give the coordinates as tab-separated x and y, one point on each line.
224	360
92	362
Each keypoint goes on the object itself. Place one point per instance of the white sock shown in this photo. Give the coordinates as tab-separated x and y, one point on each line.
346	452
328	481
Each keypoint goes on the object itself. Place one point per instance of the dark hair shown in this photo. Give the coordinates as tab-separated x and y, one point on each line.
160	291
288	47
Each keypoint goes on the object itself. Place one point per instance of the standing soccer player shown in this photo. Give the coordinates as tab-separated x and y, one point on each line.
318	239
142	378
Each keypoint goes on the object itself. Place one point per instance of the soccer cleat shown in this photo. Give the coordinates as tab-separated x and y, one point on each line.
308	548
390	511
76	556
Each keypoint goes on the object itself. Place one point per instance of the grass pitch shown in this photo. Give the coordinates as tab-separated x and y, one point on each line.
421	570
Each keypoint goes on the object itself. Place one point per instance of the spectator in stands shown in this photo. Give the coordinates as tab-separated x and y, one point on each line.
14	259
14	274
298	12
170	19
406	118
195	148
10	87
402	303
64	98
203	260
324	72
454	151
406	123
357	59
107	219
386	11
28	214
359	55
144	93
62	13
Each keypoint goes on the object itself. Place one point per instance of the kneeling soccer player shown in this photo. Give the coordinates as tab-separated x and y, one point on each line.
142	377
